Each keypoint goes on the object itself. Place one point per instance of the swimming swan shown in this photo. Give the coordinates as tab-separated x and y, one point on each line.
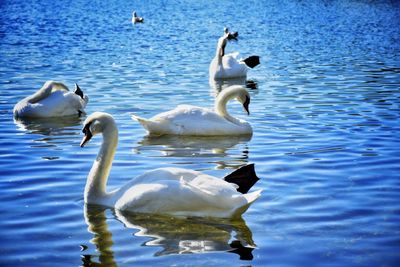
192	120
52	100
226	66
172	191
136	19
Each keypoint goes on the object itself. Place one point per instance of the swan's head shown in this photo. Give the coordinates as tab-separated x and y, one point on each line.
98	122
237	92
230	35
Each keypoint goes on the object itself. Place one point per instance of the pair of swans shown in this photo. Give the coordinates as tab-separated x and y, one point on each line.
192	120
52	100
55	100
174	191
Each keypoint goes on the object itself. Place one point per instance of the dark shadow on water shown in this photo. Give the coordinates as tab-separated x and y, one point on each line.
173	235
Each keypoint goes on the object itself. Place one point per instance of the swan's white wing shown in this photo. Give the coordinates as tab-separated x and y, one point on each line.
192	120
180	192
58	103
231	67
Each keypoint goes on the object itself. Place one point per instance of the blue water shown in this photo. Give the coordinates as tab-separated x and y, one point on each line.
325	115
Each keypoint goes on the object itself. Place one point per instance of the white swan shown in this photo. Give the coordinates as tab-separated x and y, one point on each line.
52	100
167	190
136	19
226	66
192	120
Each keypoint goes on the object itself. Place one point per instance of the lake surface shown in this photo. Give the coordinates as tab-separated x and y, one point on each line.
325	115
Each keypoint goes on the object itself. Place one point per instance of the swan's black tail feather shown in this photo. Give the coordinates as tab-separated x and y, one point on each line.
245	253
252	61
245	177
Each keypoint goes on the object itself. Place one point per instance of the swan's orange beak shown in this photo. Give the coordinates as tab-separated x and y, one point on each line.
85	139
88	135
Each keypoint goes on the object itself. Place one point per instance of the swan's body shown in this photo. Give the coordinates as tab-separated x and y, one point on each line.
192	120
227	66
167	190
136	18
52	100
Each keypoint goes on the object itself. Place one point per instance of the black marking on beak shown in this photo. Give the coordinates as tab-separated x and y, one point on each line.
88	134
78	90
246	104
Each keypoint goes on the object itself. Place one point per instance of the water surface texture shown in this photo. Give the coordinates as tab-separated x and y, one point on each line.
325	114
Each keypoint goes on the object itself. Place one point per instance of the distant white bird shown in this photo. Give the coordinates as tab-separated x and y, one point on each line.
225	66
173	191
136	19
52	100
192	120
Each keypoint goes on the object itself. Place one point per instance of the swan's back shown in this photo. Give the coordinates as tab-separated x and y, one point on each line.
230	67
182	192
192	120
52	100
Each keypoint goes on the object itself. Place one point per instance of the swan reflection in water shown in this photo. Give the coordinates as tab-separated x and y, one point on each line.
189	146
173	235
220	84
51	131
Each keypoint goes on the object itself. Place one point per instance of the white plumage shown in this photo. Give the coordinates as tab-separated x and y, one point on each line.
52	100
227	66
192	120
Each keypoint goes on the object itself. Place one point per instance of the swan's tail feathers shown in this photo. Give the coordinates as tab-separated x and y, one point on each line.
141	120
147	124
251	197
252	61
245	177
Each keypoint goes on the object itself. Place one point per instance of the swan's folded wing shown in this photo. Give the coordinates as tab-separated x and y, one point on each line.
191	120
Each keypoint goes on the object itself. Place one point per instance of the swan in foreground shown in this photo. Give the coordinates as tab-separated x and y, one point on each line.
192	120
52	100
171	191
136	19
226	66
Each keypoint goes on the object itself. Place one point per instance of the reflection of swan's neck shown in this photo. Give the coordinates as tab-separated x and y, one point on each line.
220	104
95	190
102	237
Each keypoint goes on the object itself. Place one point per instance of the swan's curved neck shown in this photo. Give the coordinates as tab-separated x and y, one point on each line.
220	50
95	190
220	105
45	91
